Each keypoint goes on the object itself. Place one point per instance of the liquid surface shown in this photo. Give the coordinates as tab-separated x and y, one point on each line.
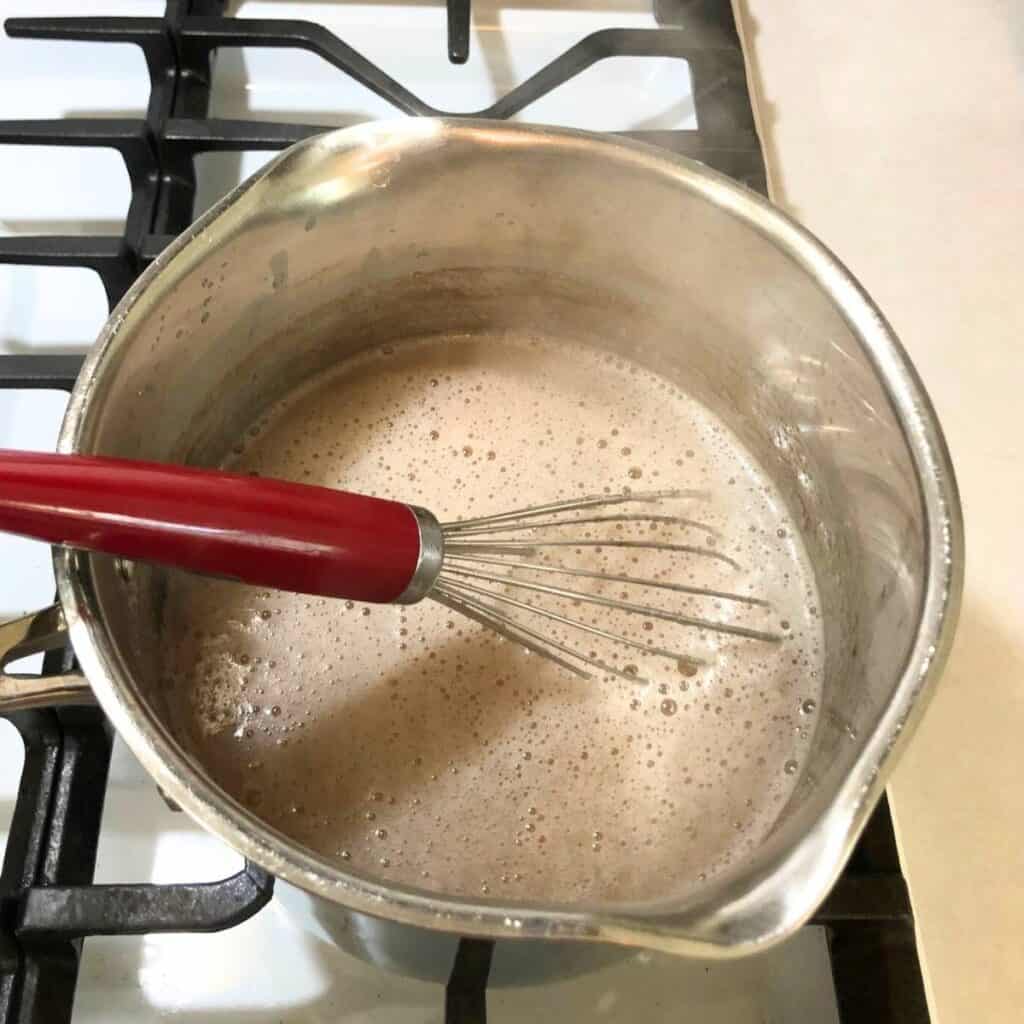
413	745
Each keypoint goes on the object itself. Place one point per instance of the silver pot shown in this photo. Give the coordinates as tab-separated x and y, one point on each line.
386	231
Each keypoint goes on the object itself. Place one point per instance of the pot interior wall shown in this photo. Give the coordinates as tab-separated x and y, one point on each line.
339	248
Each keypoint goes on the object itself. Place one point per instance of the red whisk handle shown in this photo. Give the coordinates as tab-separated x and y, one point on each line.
269	533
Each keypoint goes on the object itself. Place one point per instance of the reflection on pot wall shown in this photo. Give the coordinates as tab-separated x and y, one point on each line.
340	247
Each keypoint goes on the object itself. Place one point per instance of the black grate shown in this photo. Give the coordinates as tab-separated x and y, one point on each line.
159	150
47	901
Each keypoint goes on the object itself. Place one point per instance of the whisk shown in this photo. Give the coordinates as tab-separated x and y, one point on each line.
496	570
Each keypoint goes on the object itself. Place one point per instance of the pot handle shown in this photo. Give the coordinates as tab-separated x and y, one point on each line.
32	634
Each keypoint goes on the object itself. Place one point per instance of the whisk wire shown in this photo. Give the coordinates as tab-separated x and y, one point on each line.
458	530
574	505
574	623
508	627
609	577
478	576
527	547
609	602
505	627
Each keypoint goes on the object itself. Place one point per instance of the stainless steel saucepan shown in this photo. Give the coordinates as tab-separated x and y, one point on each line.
388	231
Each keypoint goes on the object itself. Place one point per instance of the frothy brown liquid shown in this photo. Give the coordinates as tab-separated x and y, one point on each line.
412	744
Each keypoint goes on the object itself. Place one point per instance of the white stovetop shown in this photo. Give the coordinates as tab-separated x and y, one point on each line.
274	967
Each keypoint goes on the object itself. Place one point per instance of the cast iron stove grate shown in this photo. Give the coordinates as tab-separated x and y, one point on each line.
48	903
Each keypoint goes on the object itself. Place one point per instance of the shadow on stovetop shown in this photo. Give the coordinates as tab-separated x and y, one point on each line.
75	226
17	347
762	106
53	309
790	984
237	8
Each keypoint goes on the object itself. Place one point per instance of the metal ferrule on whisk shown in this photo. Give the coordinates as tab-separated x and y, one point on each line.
428	566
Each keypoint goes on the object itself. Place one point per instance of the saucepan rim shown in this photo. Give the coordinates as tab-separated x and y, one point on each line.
732	915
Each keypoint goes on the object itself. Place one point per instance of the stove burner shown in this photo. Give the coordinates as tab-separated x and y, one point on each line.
47	900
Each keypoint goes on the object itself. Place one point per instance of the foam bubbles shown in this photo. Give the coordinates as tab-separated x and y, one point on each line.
410	744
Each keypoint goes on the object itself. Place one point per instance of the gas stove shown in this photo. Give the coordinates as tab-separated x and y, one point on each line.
138	120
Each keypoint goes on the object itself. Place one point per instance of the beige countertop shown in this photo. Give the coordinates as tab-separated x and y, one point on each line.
895	132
